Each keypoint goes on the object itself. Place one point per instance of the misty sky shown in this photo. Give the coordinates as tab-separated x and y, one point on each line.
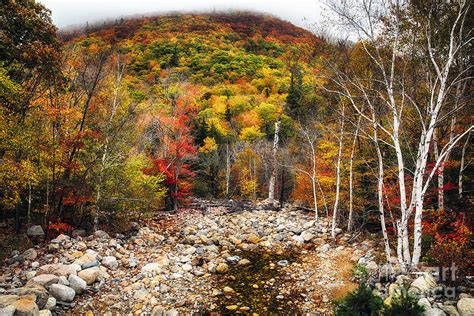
73	12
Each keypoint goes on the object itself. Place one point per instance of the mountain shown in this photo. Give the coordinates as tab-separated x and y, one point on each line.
208	48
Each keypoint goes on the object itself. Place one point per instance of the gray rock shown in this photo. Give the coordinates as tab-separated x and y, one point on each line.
30	254
157	266
153	267
45	312
62	280
77	284
44	279
7	310
190	250
141	295
62	292
35	231
324	248
466	306
110	262
298	239
283	263
50	303
233	259
187	267
307	236
133	262
101	234
434	312
78	233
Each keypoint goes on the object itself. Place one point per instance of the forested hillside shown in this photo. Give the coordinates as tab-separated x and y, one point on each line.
142	113
115	122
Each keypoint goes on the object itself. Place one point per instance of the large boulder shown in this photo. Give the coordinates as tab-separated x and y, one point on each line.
78	233
466	306
30	254
434	312
62	292
450	310
44	279
110	262
89	275
36	234
58	269
88	260
77	284
157	266
35	231
25	307
423	284
7	310
101	234
37	290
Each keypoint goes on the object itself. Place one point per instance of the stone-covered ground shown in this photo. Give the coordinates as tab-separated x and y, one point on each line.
249	262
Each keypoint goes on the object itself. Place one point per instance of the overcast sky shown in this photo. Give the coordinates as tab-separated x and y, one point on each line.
73	12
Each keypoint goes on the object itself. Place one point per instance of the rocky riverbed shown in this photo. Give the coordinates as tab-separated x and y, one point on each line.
192	262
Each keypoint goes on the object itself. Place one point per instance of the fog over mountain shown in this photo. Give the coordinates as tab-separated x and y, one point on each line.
72	12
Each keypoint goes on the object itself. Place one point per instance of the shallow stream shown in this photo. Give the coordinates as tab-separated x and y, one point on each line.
263	286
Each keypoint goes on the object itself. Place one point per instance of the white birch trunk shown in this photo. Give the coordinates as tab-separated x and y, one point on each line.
351	176
440	173
315	198
380	178
338	177
271	186
462	167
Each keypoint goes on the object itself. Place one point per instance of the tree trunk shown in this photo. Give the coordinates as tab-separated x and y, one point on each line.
315	198
380	178
324	199
403	225
271	186
462	167
28	218
351	176
338	177
440	173
227	169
